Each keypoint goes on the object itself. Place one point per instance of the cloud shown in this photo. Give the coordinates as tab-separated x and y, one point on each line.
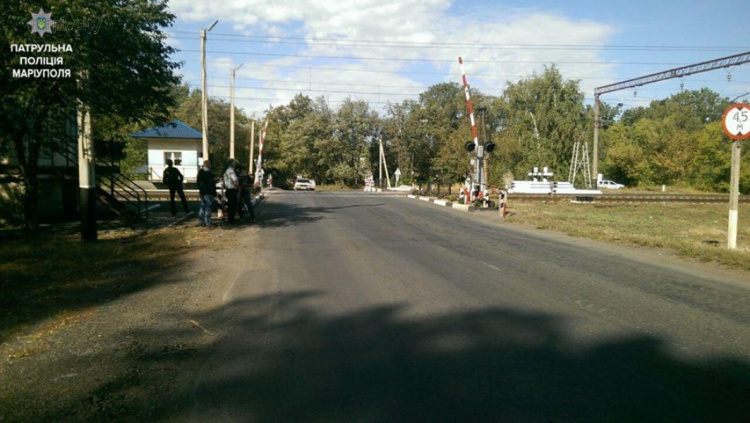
331	42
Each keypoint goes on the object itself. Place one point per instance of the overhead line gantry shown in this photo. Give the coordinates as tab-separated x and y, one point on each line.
706	66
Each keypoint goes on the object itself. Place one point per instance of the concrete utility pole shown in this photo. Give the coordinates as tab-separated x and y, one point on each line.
385	165
204	103
86	175
736	125
734	195
252	146
595	162
380	162
231	112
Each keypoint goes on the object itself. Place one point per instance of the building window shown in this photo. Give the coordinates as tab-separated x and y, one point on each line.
175	156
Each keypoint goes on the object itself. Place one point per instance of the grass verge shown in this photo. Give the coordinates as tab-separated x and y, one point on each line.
697	231
56	275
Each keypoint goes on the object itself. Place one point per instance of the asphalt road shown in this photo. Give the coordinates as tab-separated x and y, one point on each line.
360	307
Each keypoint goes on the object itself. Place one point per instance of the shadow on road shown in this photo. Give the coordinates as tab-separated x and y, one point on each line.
282	361
278	214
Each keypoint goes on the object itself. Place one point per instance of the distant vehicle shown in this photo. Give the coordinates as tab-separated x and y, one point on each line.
304	184
609	184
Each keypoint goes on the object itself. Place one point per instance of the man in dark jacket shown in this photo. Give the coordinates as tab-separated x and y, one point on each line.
246	187
207	190
173	179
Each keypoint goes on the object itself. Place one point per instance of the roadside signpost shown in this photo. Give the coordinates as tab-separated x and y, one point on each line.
736	124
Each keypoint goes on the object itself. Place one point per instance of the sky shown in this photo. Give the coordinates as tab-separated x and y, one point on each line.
384	51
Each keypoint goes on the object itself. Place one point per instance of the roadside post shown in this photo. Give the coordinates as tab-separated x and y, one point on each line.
736	125
503	203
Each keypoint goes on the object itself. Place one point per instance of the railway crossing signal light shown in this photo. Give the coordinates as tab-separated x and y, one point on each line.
489	147
469	146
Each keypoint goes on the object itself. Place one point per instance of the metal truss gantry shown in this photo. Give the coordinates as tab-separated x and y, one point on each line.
706	66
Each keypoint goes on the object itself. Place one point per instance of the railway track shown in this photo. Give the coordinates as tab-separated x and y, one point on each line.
629	198
192	195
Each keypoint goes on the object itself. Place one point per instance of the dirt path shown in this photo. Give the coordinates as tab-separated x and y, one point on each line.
126	359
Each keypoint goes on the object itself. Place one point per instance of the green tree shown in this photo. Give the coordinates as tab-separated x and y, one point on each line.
709	168
401	132
121	70
189	111
545	115
625	160
669	142
356	127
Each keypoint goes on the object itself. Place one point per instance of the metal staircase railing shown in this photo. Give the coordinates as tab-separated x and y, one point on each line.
122	194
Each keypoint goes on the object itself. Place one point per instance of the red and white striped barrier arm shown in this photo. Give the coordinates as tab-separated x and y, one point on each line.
260	147
468	104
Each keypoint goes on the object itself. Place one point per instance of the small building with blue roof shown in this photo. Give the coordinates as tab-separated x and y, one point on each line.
174	141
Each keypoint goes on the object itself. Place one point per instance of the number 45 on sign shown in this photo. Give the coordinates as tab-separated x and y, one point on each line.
736	121
736	124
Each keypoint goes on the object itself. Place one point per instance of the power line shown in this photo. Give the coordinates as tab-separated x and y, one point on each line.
277	100
417	44
393	71
315	90
309	82
396	59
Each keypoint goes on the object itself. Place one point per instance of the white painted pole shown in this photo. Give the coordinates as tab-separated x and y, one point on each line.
204	118
231	112
734	195
596	140
385	165
380	163
204	96
252	146
86	175
231	115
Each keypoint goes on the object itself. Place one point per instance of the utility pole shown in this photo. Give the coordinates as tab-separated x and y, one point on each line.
595	162
231	112
204	97
259	166
734	195
252	146
385	165
736	125
380	162
86	175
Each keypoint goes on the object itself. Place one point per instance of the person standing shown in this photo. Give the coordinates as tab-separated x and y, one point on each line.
173	179
246	199
231	185
207	191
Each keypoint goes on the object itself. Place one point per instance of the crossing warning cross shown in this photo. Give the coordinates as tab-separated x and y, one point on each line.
736	121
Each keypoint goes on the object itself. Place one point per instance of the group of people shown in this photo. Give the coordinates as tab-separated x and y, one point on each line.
236	185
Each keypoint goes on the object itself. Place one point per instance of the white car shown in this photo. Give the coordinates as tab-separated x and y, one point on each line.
609	184
304	184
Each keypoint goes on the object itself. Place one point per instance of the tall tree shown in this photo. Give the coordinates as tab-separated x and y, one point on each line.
356	127
544	116
119	65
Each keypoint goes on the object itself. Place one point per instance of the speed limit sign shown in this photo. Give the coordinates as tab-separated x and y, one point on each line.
736	121
736	124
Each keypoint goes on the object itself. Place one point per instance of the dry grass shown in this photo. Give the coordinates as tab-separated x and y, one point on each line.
335	187
697	231
54	274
